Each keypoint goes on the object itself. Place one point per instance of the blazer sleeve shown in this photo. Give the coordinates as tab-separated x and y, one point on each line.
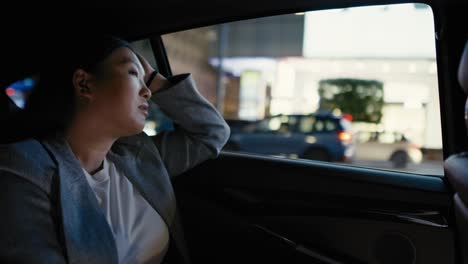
28	232
200	132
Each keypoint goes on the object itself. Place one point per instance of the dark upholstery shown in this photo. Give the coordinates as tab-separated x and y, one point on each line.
456	170
463	70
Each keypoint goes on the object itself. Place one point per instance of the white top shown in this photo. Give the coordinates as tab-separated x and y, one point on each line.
140	233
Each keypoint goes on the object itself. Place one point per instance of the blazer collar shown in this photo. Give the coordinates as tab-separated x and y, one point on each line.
88	236
87	233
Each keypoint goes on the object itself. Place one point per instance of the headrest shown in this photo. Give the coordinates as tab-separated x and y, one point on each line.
456	167
463	70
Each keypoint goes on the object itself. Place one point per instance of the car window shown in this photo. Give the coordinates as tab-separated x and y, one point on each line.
283	124
265	125
156	122
319	126
273	124
387	138
363	137
334	80
307	124
19	91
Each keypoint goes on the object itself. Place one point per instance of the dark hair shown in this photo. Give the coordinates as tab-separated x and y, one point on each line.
51	106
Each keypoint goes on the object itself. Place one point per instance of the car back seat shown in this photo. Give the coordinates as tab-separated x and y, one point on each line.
456	170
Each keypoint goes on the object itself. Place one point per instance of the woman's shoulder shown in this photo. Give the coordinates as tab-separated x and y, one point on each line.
28	159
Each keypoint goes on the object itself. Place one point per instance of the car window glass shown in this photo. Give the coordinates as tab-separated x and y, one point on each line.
358	84
364	137
319	126
306	124
399	137
386	138
157	121
330	125
19	91
274	123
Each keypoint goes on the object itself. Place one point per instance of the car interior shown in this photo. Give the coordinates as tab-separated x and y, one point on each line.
456	167
247	208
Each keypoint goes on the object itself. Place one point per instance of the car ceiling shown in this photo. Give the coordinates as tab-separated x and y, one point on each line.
26	33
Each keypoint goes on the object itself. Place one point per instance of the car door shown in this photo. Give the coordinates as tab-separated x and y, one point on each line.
371	146
247	208
269	137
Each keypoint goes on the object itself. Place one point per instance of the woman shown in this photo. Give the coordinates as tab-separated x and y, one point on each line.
89	186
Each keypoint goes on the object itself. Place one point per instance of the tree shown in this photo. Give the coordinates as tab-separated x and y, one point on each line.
363	99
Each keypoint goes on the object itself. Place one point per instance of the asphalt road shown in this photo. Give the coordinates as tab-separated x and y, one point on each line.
429	167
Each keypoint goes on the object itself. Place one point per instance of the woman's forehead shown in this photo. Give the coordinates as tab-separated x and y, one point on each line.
124	55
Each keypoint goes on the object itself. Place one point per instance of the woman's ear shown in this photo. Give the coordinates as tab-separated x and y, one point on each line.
81	86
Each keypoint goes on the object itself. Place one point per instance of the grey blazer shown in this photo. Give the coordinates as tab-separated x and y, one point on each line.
51	215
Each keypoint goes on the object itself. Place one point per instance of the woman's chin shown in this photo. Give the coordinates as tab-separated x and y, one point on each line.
137	128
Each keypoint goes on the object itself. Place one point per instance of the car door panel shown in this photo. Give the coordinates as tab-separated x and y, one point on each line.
278	210
268	143
243	208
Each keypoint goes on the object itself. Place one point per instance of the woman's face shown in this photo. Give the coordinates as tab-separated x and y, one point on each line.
119	94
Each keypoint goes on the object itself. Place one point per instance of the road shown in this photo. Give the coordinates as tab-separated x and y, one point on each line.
429	167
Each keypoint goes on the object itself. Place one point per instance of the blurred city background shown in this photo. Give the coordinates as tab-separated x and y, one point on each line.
356	85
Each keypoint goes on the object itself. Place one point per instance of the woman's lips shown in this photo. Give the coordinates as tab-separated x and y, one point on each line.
144	108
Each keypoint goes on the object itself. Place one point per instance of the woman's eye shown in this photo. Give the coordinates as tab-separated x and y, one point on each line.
132	72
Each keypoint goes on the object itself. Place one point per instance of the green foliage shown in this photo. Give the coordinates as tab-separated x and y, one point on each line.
363	99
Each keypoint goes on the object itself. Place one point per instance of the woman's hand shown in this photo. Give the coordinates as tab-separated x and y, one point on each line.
158	81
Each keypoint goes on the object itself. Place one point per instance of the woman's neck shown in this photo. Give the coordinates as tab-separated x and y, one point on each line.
89	146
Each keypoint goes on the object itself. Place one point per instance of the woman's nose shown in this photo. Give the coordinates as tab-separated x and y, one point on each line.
145	92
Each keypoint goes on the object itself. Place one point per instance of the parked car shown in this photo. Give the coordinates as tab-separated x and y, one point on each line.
387	146
318	136
237	125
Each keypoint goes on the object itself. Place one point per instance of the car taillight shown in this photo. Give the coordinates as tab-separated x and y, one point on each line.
10	91
345	137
